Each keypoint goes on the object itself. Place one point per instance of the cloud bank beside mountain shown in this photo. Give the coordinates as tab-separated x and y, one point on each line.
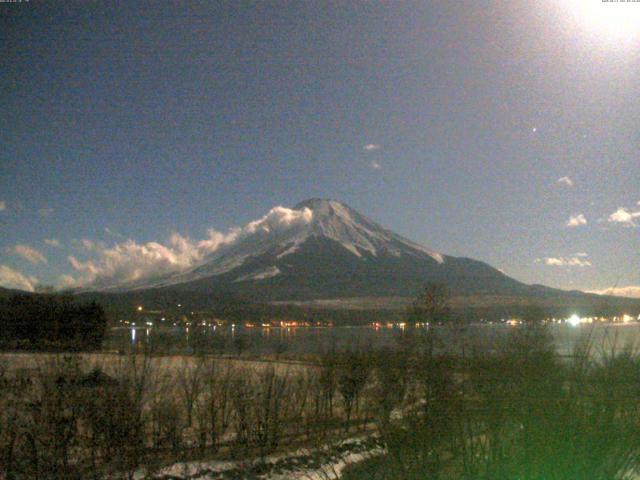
129	261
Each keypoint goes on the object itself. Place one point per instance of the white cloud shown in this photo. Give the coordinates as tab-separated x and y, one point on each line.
630	291
371	147
577	260
52	242
566	181
576	221
3	205
31	254
375	165
278	218
10	278
624	217
127	262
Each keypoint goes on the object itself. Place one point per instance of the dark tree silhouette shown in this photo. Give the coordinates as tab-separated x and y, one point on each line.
431	305
51	322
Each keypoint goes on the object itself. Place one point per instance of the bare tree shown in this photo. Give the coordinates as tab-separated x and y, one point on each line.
354	368
391	382
243	395
190	384
271	391
431	305
214	408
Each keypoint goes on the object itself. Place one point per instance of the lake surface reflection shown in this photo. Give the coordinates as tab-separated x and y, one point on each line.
313	340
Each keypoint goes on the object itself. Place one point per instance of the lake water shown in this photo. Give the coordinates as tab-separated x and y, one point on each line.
311	340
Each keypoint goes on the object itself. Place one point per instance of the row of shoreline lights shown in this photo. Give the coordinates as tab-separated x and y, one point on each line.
574	320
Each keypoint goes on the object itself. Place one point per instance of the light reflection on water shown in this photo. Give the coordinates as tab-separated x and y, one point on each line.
310	340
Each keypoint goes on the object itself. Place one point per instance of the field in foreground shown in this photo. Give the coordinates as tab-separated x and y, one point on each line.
518	411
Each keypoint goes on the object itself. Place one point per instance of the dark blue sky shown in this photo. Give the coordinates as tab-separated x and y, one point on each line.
133	120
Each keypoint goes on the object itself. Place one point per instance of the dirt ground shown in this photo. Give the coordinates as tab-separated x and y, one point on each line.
28	363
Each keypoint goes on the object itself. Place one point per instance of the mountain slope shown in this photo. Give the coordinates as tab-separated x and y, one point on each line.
329	250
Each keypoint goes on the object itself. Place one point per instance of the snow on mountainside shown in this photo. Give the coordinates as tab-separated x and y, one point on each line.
266	273
314	218
356	232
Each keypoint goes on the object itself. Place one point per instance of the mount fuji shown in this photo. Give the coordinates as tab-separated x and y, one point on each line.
323	249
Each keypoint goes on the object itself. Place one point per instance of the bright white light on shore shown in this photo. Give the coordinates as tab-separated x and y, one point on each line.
140	308
574	320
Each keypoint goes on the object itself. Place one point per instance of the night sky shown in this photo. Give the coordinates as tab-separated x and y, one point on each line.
508	132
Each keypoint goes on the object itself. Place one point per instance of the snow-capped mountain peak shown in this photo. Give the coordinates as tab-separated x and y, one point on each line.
324	219
283	231
357	233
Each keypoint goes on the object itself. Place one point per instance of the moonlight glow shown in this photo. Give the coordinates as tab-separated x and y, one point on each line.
614	20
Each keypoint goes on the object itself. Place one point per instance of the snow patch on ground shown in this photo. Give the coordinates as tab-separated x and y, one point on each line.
331	470
326	462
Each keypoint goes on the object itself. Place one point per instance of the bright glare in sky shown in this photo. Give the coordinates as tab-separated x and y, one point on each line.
614	19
